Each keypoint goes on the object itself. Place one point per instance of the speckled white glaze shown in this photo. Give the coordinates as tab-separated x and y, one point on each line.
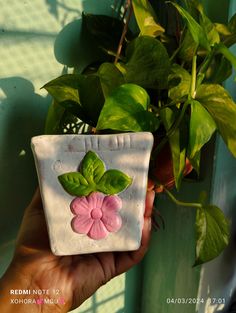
58	154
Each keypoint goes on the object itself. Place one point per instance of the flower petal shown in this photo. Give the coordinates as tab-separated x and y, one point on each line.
112	221
111	204
81	224
98	230
95	200
80	206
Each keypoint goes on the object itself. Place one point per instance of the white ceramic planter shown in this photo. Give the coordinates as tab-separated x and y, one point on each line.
97	218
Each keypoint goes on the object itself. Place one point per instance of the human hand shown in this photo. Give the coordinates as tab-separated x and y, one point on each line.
79	276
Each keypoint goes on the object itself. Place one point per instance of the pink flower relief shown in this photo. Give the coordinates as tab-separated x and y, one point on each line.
96	215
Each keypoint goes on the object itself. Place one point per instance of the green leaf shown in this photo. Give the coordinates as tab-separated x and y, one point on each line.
196	30
178	151
54	117
232	24
75	184
106	30
222	29
210	29
92	167
110	78
212	233
126	110
195	162
222	109
202	127
227	54
146	18
227	34
219	70
65	87
91	97
113	182
182	76
148	63
65	91
187	48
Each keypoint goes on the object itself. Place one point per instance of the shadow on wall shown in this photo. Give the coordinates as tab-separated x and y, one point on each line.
22	115
55	5
72	47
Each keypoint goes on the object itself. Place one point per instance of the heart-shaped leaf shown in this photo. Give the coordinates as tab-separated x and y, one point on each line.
202	126
92	167
182	88
65	88
75	184
187	48
227	54
219	70
65	91
210	29
197	31
113	182
222	109
110	78
146	18
212	233
106	30
178	151
92	102
148	63
126	110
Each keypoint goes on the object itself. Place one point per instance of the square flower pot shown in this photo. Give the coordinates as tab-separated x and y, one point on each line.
93	190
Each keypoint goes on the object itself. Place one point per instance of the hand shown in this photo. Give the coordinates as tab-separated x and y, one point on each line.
78	277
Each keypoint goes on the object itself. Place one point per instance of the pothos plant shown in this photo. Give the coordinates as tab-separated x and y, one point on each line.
160	76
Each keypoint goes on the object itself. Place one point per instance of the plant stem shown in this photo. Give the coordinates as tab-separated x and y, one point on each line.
171	130
181	203
193	78
125	29
204	67
172	103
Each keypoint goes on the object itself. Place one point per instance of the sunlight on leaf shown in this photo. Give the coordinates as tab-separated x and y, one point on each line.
212	233
146	18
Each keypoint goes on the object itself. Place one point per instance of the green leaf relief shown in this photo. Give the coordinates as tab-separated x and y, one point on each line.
92	167
75	184
94	177
212	233
113	181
